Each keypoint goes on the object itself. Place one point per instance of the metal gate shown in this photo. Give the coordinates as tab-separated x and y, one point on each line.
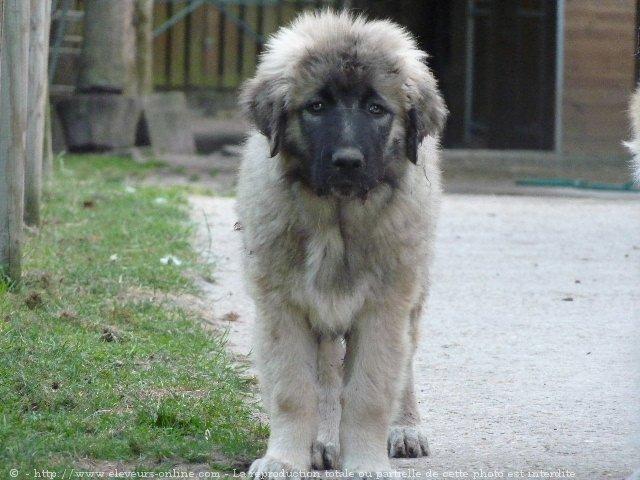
216	43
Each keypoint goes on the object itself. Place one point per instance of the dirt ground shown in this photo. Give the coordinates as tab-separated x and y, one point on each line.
529	363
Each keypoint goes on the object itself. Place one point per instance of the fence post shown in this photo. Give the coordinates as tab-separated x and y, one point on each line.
13	123
39	23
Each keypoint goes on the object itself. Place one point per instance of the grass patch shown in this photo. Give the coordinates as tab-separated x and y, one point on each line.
96	361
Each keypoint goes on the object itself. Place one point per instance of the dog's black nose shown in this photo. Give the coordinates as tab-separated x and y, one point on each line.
348	159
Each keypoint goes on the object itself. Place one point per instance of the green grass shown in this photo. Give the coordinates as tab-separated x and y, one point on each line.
96	360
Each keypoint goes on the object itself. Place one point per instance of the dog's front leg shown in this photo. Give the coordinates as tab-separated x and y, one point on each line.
326	448
406	437
377	349
286	357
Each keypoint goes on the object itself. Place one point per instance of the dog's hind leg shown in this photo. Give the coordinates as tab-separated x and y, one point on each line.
286	357
326	449
406	438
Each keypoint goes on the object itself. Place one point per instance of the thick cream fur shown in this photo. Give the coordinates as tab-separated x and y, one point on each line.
321	269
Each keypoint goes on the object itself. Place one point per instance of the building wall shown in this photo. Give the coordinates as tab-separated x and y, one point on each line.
600	42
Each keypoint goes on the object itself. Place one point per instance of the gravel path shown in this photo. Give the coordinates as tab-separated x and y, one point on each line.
530	354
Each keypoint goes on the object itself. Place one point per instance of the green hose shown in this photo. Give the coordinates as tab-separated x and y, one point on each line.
576	183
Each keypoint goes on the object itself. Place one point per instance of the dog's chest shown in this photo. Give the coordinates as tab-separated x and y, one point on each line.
336	279
329	261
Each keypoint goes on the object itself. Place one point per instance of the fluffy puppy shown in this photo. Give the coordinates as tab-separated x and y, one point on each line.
338	194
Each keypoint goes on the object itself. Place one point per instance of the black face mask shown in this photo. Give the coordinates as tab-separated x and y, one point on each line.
343	147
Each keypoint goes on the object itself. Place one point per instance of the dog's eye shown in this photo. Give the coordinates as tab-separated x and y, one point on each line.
375	109
316	107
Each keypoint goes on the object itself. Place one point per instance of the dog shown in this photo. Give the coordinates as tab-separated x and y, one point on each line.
338	195
634	144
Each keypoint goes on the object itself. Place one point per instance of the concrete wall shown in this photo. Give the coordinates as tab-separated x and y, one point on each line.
600	42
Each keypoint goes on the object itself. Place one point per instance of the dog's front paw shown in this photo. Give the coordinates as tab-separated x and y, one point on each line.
267	467
407	442
324	456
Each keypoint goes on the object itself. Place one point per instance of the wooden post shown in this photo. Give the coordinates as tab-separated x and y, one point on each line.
144	46
13	124
39	24
107	61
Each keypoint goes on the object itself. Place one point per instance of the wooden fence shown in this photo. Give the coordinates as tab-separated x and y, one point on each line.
217	44
23	79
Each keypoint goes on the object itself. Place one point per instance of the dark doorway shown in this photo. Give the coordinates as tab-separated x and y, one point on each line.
495	61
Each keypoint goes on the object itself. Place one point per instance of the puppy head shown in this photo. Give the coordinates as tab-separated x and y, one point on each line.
344	102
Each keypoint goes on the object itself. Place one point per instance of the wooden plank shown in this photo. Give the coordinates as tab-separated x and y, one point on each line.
251	47
159	46
232	42
290	10
221	40
242	42
271	21
177	77
39	24
597	7
13	124
600	42
196	73
144	46
605	97
188	30
210	49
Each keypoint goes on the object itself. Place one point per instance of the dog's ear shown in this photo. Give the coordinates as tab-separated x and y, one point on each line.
264	106
427	112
